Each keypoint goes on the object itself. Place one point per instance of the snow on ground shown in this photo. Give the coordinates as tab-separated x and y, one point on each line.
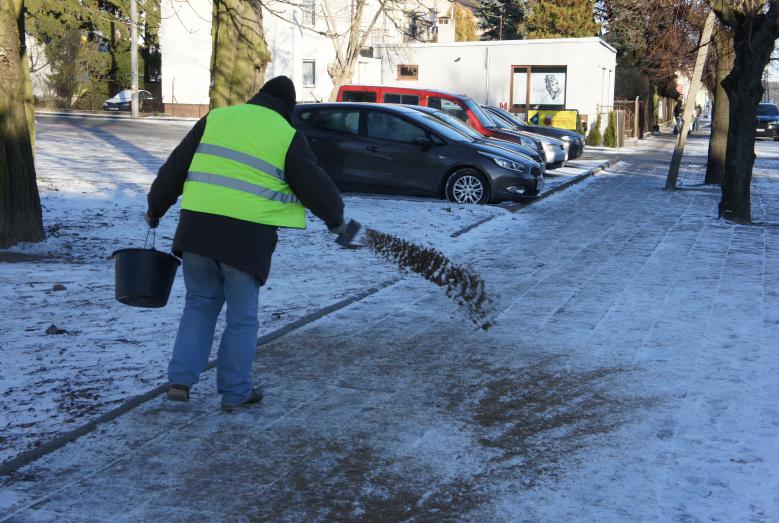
631	376
93	183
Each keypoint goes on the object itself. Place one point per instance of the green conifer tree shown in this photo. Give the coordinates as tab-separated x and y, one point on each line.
561	19
610	134
502	19
594	137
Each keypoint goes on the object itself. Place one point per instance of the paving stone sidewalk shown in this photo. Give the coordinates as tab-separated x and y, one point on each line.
630	376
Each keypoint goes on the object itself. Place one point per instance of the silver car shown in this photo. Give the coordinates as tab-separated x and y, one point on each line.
555	150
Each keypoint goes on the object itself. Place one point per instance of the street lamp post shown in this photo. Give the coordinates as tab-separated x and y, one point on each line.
134	56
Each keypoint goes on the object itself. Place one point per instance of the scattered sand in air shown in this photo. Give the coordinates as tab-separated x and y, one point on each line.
460	284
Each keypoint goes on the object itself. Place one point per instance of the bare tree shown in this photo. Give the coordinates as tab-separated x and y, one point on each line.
721	64
755	26
348	26
20	205
240	53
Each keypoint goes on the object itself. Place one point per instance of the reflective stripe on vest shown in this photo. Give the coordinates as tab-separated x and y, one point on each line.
239	185
237	156
237	170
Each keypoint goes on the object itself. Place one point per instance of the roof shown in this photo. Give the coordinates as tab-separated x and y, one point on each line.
409	89
497	43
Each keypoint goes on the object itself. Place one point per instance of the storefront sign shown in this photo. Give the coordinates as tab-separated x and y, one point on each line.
551	118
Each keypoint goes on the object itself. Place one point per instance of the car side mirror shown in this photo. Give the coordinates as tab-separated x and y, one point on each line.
424	142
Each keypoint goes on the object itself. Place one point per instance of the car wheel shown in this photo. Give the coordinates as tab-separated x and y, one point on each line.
467	186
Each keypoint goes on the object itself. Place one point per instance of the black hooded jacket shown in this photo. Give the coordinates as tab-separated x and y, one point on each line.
241	244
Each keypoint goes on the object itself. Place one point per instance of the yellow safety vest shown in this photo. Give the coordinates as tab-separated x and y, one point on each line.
238	169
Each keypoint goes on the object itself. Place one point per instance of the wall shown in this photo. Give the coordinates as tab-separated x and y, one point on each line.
185	43
482	70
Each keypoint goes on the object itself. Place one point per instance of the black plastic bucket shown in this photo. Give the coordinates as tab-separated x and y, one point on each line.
144	277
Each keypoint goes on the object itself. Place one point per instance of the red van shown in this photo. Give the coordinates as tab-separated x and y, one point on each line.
458	105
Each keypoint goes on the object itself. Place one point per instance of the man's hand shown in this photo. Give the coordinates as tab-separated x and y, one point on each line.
347	232
151	222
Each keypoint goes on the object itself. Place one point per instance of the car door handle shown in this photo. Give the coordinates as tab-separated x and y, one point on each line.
313	140
372	148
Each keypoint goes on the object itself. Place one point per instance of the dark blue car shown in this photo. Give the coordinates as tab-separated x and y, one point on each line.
767	121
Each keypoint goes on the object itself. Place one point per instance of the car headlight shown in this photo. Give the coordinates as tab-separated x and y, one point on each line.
505	162
526	142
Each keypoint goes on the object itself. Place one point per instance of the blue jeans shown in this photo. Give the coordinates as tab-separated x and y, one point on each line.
209	285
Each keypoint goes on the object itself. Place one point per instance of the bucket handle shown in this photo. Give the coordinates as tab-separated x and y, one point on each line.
153	238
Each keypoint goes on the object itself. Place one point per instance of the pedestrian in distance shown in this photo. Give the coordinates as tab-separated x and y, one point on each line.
678	111
242	171
696	117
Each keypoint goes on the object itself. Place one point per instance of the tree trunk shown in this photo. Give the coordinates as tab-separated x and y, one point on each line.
753	40
715	167
240	53
20	205
340	76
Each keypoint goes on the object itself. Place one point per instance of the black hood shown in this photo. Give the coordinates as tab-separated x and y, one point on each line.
271	102
282	88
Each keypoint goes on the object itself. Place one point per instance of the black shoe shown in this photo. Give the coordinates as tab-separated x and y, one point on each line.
254	397
178	392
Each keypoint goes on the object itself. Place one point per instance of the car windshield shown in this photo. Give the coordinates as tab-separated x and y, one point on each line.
453	121
441	128
479	113
513	118
501	122
767	110
124	95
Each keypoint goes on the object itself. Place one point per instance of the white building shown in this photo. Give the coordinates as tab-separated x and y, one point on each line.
580	71
295	33
185	44
555	74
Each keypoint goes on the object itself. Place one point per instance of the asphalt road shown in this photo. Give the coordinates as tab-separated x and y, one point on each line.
123	127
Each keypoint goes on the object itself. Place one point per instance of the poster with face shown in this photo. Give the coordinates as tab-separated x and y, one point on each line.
547	88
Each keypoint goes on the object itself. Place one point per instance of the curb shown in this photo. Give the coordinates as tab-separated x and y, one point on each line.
27	457
114	116
573	181
515	207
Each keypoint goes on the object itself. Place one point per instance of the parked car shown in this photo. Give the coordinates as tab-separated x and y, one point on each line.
399	150
123	100
460	126
554	149
767	121
457	105
572	141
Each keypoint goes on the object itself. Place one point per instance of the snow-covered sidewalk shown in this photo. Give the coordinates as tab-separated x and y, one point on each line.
630	376
71	352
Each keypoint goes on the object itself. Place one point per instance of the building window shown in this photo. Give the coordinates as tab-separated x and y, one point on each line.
309	73
307	8
443	20
408	72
